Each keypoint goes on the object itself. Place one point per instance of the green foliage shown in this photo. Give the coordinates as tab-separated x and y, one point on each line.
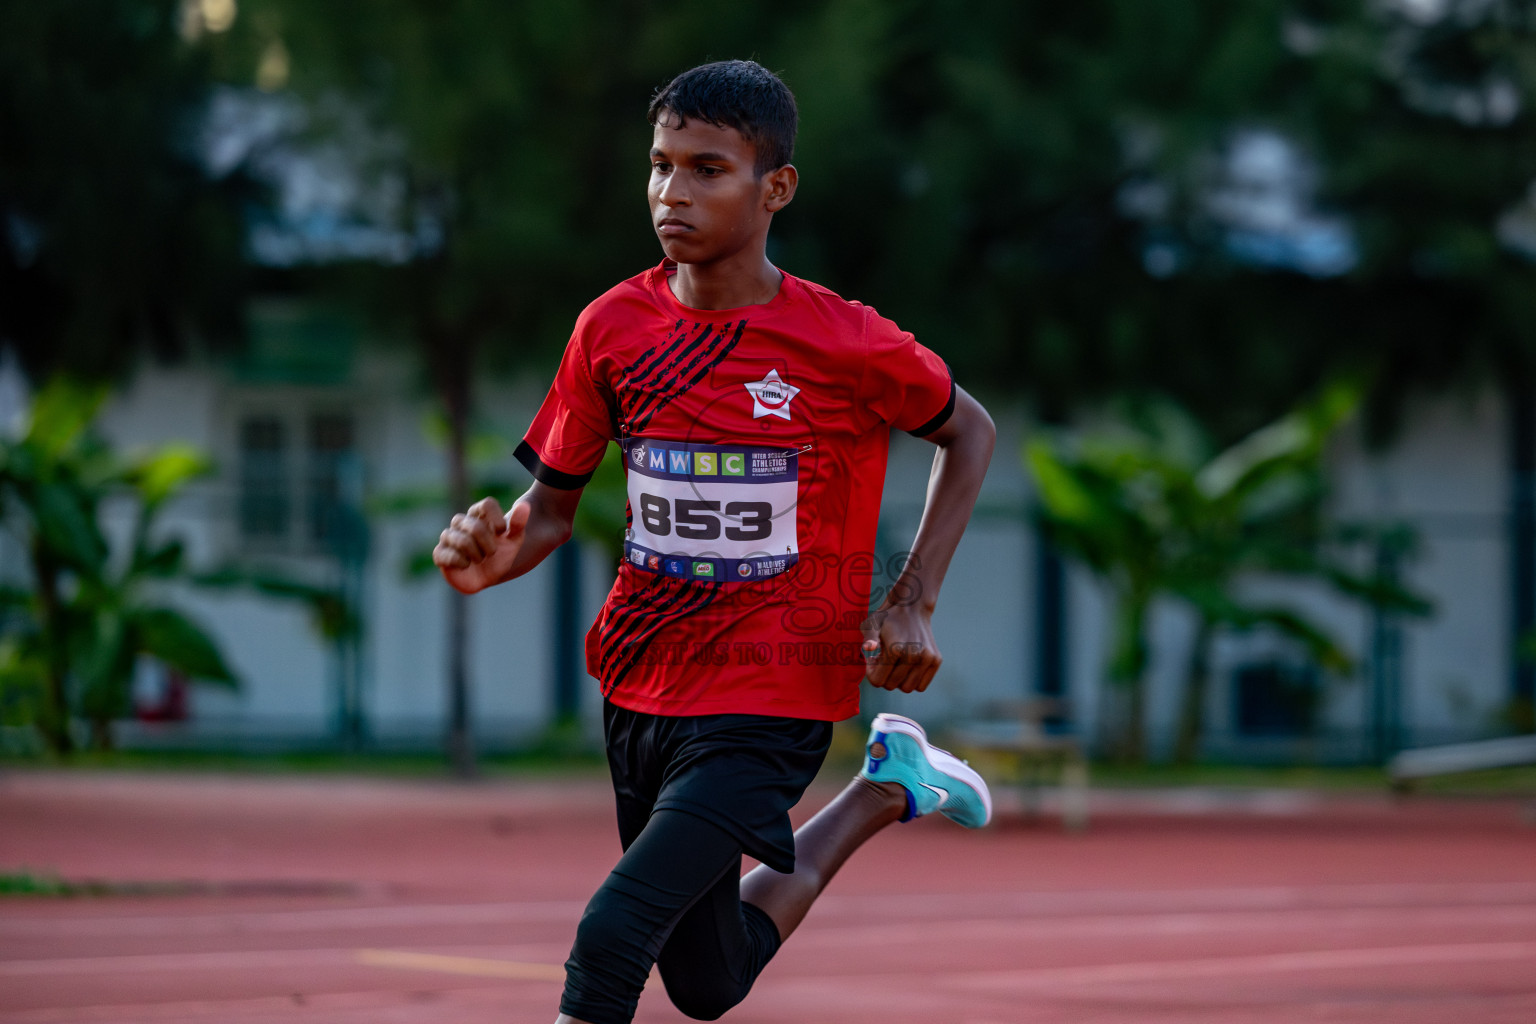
1158	513
71	636
330	613
25	883
997	176
599	518
113	239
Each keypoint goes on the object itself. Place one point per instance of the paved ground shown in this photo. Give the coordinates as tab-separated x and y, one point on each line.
364	901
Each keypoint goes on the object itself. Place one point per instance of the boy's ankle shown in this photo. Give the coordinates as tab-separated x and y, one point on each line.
891	795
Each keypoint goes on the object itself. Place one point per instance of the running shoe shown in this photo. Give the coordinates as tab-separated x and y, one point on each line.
935	780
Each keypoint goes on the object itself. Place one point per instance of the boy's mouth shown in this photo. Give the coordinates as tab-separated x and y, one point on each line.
673	226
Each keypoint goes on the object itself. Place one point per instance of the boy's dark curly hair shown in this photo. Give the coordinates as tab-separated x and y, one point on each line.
739	94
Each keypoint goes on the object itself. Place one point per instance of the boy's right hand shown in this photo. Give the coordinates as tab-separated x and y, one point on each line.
480	545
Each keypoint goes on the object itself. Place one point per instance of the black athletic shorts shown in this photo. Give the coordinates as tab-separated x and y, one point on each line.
741	773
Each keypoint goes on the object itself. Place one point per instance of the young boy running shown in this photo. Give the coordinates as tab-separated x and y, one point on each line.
754	412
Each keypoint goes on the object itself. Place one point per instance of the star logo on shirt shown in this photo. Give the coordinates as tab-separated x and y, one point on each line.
771	396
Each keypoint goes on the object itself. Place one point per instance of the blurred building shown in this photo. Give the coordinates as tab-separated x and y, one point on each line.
309	432
310	429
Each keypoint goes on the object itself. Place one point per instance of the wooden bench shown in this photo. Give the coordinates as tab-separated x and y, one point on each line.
1024	734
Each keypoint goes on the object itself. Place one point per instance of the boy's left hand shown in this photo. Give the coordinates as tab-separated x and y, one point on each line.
899	649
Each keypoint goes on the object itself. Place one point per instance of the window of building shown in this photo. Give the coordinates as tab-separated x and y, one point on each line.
300	480
1274	698
332	462
265	506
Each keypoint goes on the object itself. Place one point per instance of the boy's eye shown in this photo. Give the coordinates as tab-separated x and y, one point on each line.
708	171
660	165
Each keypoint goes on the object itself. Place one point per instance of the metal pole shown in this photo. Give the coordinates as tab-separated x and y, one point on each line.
1522	539
1387	657
568	649
1050	620
461	740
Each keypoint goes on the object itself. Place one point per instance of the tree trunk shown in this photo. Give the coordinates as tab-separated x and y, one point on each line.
1128	669
55	718
567	695
1133	745
461	739
1196	688
453	362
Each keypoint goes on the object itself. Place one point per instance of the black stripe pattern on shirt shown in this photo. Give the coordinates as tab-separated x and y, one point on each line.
657	379
625	634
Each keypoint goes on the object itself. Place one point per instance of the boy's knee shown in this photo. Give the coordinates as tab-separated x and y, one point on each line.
615	926
703	998
610	960
597	935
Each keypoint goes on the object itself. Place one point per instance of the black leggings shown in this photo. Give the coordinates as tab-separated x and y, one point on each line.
673	900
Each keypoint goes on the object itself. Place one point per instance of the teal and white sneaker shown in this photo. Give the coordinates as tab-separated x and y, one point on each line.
935	780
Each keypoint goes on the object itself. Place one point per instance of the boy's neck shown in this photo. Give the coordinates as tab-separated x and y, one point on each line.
727	284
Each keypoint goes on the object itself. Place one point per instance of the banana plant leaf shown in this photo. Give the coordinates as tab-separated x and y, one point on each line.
171	637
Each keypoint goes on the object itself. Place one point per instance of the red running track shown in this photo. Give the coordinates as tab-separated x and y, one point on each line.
364	901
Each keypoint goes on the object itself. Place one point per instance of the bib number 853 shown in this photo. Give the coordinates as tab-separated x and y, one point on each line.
693	519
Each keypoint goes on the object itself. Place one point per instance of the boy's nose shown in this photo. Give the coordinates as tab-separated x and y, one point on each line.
672	193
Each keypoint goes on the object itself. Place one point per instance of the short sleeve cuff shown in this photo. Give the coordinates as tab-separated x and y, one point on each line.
544	473
940	418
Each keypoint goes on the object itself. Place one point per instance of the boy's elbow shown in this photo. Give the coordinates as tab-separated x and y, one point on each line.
973	426
968	428
985	428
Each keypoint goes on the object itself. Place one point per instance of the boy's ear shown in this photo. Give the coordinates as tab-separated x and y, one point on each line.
780	184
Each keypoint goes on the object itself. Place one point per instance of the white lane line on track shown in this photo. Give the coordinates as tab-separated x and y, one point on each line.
137	963
1264	897
859	908
1097	974
1268	963
476	966
819	932
285	921
285	960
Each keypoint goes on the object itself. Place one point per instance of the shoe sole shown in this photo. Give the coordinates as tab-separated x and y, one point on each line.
938	758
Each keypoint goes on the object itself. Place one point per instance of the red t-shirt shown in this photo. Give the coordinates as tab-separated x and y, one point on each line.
755	443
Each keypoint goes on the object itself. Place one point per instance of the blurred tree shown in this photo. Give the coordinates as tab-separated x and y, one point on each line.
599	526
1100	197
114	241
74	632
1158	514
522	167
1088	198
1224	202
74	628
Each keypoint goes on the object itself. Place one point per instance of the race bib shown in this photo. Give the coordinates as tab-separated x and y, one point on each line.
711	511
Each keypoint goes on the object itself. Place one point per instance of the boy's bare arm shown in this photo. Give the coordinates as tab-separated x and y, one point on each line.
904	656
484	547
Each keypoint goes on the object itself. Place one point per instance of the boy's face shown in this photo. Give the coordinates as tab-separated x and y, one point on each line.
707	203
